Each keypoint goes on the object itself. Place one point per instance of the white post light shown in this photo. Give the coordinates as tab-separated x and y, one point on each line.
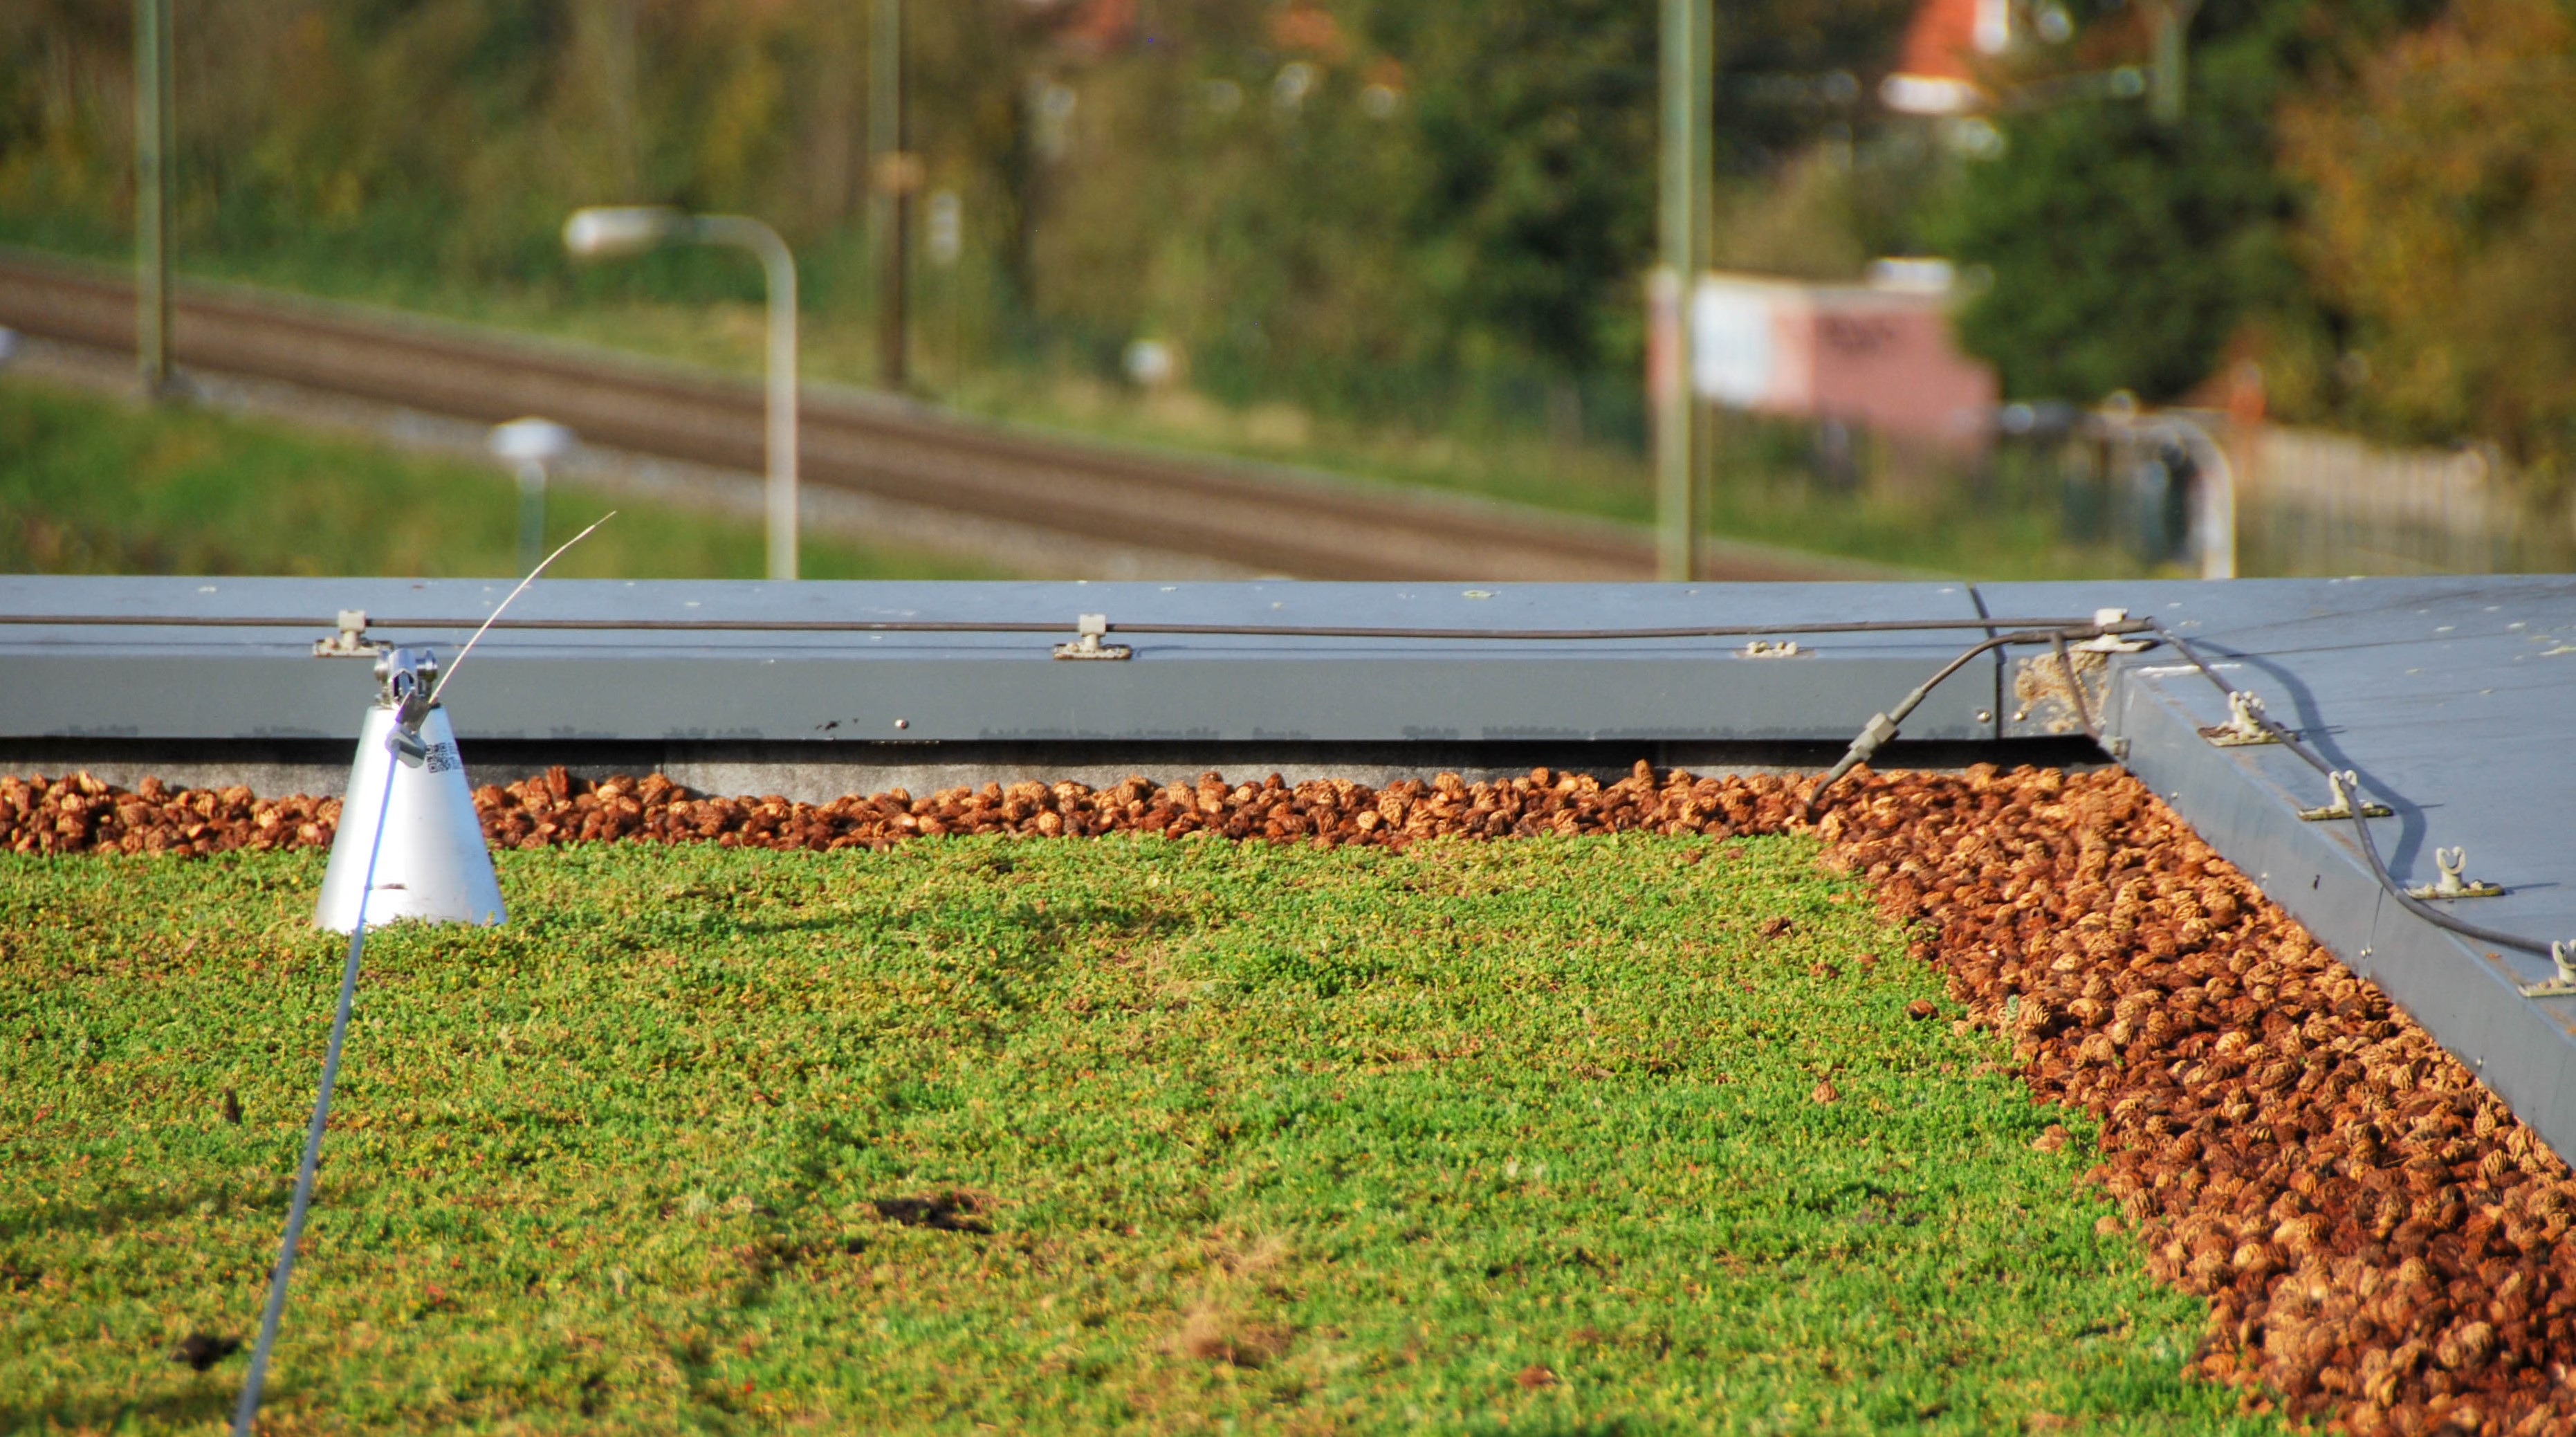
615	231
528	446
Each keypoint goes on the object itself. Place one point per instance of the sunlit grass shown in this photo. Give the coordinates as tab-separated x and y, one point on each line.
1942	526
97	485
1519	1136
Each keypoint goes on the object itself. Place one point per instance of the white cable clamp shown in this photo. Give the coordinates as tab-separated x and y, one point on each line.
2455	882
2562	986
2245	724
1089	630
2107	643
351	641
2341	808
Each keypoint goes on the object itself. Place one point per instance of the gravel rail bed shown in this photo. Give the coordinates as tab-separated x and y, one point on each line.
2379	1240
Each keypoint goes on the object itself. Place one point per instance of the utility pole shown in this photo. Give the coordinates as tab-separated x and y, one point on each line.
2173	48
153	128
1687	89
896	173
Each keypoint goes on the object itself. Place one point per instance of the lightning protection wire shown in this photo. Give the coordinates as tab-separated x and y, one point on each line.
2347	786
1882	726
2074	627
410	710
296	1211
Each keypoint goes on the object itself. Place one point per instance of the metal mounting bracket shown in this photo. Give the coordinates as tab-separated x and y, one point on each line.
2245	725
2562	986
2454	883
1089	630
2342	808
351	642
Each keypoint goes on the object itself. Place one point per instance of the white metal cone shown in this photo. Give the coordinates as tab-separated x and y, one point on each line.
432	865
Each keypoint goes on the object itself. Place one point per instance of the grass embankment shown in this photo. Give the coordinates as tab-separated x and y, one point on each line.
1545	1136
1937	523
95	485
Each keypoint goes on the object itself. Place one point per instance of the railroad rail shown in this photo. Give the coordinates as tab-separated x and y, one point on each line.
1264	520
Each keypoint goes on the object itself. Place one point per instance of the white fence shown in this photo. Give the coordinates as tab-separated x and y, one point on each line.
2312	502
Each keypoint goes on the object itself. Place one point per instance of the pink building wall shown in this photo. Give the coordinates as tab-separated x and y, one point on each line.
1884	358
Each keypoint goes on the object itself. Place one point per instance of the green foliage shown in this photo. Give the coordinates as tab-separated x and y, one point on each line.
626	1163
2124	253
1445	212
91	485
1536	123
2443	184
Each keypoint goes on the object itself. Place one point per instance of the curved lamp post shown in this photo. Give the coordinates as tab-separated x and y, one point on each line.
611	232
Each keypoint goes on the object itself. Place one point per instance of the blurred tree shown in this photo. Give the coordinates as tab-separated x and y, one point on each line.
1366	204
2444	183
1537	125
1536	121
2126	254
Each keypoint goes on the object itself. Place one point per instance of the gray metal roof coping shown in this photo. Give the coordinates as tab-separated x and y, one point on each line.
2450	696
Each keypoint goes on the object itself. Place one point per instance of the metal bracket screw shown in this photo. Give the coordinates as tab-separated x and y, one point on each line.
2562	986
2245	724
2454	883
1089	630
351	642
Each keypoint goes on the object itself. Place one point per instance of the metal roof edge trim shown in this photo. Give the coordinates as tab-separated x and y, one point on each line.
2469	1001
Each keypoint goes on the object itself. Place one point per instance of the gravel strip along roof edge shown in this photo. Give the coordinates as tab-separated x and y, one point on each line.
2377	1236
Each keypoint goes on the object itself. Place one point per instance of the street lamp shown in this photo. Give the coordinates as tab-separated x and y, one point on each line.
528	446
615	231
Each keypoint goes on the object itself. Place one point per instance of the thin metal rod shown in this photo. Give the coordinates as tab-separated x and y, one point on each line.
1687	64
778	266
532	511
891	176
297	1210
2082	628
154	128
449	676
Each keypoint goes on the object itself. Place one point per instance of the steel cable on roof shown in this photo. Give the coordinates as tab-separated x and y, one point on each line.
2348	785
2087	627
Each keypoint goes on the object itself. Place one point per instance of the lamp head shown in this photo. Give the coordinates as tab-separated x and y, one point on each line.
531	441
608	231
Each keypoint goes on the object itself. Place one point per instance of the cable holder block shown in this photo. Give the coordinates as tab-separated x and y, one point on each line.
1089	630
2245	724
2341	808
2454	882
2562	986
351	642
2114	623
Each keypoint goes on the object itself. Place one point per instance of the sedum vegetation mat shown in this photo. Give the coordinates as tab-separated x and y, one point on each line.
2379	1242
1629	1133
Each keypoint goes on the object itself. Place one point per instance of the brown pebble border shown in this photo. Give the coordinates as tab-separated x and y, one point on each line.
2379	1240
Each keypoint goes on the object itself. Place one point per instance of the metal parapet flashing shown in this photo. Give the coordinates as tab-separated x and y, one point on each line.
2451	697
2469	997
842	692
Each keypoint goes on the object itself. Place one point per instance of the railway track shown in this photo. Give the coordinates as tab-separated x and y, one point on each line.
1270	521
